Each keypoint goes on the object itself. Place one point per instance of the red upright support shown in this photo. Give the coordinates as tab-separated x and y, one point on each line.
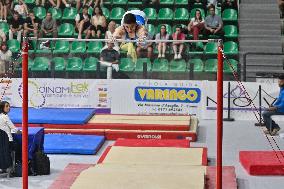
219	115
25	114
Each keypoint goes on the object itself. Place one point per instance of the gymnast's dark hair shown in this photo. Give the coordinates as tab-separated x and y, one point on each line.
2	106
129	19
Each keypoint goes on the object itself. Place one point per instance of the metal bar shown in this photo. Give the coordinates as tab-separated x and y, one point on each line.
25	114
121	40
219	115
229	104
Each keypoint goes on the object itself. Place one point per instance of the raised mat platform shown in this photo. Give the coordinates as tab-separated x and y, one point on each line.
262	162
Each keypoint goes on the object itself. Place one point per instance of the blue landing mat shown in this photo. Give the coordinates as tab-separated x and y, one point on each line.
53	115
72	144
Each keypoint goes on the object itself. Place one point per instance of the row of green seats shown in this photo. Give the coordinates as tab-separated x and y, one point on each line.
163	65
179	14
127	65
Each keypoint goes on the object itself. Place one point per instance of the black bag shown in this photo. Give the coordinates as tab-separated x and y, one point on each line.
42	163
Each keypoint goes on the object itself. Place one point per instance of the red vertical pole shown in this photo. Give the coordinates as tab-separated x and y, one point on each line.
219	115
25	114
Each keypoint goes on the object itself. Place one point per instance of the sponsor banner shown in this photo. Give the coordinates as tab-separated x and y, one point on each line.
59	93
155	97
244	104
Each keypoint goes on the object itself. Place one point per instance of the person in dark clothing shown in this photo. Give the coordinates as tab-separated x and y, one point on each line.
83	23
276	109
229	4
31	25
16	26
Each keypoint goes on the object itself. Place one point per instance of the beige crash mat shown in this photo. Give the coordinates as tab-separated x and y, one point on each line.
141	117
152	155
151	122
141	177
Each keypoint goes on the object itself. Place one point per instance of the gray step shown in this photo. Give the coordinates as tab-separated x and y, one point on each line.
255	32
255	69
264	2
260	49
259	43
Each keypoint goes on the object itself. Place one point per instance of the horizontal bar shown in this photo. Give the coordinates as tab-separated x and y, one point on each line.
122	40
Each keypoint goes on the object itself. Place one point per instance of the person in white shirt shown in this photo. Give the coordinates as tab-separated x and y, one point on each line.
5	57
22	9
5	122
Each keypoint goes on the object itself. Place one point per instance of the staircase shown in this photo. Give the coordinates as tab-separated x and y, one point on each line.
260	31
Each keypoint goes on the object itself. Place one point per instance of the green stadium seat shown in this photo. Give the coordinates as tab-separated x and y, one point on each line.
61	47
211	48
211	65
119	2
126	65
231	31
134	3
231	48
151	29
178	66
39	12
30	2
107	2
69	14
90	64
230	15
165	14
133	8
181	2
30	63
192	12
227	67
94	47
59	63
181	14
168	28
198	5
43	50
167	2
74	64
198	64
78	47
160	65
117	13
66	30
140	62
4	27
56	13
40	64
151	13
197	48
105	12
14	45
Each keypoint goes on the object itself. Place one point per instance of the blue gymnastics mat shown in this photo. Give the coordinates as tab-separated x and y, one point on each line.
53	115
72	144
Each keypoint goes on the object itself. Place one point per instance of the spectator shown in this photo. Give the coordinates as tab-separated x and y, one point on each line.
229	4
88	3
83	22
109	35
69	3
178	46
21	8
98	22
55	3
162	46
98	3
40	4
3	37
48	26
148	47
202	2
16	26
5	53
111	56
196	25
3	9
213	24
31	25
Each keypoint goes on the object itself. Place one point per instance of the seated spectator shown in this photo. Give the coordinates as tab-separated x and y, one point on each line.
48	26
162	46
40	3
196	25
83	22
111	56
21	8
213	24
88	3
55	3
145	47
3	37
31	25
109	35
5	57
16	26
3	9
178	46
229	4
98	22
